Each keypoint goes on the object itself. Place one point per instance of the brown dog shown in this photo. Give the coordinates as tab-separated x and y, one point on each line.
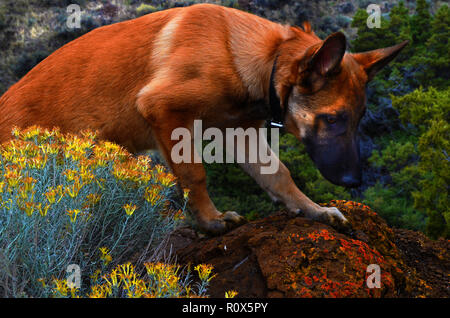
135	82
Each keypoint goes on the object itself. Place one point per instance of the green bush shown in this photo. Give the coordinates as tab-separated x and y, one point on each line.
416	196
393	200
429	111
413	183
146	9
64	197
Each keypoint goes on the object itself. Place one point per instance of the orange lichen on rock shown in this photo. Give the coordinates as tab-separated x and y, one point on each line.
285	256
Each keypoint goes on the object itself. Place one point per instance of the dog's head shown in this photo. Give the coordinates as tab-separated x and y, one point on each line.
322	89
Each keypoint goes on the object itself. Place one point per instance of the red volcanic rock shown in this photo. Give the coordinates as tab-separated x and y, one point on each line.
285	256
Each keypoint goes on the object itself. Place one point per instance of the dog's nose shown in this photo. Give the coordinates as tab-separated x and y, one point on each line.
350	180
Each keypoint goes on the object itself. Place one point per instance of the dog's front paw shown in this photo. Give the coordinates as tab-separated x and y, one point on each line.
333	217
224	223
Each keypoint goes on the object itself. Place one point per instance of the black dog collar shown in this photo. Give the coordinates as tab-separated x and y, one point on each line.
277	113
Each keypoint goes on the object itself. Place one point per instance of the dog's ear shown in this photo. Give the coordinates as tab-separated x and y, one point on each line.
320	61
329	56
374	61
307	27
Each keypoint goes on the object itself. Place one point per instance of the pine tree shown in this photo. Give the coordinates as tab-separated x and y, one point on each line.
438	47
440	29
399	20
420	23
429	112
399	25
432	59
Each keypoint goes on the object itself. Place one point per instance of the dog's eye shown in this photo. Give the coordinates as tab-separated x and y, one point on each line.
331	119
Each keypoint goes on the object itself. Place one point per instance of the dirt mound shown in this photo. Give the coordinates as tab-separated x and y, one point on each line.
429	258
285	256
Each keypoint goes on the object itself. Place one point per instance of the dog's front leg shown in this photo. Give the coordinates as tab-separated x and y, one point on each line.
281	188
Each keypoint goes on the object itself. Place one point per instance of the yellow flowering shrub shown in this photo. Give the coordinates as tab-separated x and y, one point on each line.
160	281
63	197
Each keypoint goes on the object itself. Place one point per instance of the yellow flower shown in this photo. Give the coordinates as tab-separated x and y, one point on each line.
231	294
99	291
111	147
143	162
101	183
30	132
22	194
204	271
51	196
162	270
12	176
152	194
105	257
172	281
28	207
126	271
52	192
51	149
60	287
140	288
43	211
100	162
74	189
114	278
93	198
150	268
73	292
29	184
7	155
70	174
75	147
4	204
166	179
42	281
54	132
178	215
73	215
15	132
86	175
20	161
89	135
188	291
159	168
120	173
38	162
129	209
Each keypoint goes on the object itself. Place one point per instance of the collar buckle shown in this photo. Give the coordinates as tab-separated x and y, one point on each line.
275	124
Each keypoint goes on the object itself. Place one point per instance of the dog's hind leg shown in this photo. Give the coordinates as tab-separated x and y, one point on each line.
164	119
